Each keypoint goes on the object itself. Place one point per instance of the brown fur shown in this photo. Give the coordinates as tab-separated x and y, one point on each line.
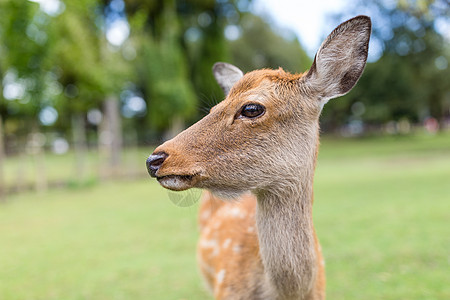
233	226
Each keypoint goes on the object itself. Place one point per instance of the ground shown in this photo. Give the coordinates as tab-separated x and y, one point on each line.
381	212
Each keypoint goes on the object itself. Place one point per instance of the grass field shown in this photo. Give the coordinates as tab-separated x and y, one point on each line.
382	211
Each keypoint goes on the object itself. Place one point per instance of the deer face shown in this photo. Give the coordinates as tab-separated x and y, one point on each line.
246	142
267	126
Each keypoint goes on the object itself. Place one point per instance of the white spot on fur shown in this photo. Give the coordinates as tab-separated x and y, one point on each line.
220	276
236	248
226	243
205	215
208	243
235	211
250	229
253	97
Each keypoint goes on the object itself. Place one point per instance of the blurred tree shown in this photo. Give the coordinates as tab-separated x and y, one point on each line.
410	79
204	41
77	61
2	147
2	159
25	63
90	74
260	46
179	41
161	65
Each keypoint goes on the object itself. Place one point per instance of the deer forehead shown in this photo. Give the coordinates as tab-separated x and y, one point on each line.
272	88
254	79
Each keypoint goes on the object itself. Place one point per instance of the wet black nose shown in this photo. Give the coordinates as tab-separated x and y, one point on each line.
154	162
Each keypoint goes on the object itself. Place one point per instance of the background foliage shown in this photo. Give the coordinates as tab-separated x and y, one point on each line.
58	64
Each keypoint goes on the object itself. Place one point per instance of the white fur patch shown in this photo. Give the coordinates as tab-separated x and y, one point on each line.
237	212
210	244
174	183
205	215
220	276
226	243
322	262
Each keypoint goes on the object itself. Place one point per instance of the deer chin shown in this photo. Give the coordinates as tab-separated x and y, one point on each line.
228	194
178	182
224	192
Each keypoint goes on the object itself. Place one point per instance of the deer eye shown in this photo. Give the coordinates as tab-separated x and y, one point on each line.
251	111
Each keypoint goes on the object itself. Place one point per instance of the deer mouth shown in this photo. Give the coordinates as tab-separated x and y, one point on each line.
178	182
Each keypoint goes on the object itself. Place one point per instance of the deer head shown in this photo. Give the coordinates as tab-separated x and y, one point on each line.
264	135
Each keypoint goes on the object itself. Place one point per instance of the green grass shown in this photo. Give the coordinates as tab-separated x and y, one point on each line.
381	211
112	241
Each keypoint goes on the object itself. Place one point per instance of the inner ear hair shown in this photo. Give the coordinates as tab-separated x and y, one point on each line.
226	75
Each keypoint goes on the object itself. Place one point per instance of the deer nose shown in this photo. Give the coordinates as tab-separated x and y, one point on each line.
154	162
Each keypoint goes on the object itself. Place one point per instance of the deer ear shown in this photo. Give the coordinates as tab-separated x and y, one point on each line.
226	75
340	60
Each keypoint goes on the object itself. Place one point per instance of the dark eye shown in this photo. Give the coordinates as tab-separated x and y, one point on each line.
251	111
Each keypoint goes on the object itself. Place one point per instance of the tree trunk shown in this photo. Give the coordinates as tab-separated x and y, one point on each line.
2	161
111	135
130	157
176	127
21	170
437	109
36	144
79	144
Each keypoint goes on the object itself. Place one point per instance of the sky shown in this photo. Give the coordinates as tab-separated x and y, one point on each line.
310	20
307	18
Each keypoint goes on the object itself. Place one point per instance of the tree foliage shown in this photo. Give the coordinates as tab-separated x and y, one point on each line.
64	61
261	46
409	81
162	67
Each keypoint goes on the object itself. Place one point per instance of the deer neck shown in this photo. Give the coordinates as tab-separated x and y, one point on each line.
286	233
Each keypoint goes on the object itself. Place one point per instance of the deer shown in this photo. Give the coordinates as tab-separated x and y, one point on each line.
255	155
